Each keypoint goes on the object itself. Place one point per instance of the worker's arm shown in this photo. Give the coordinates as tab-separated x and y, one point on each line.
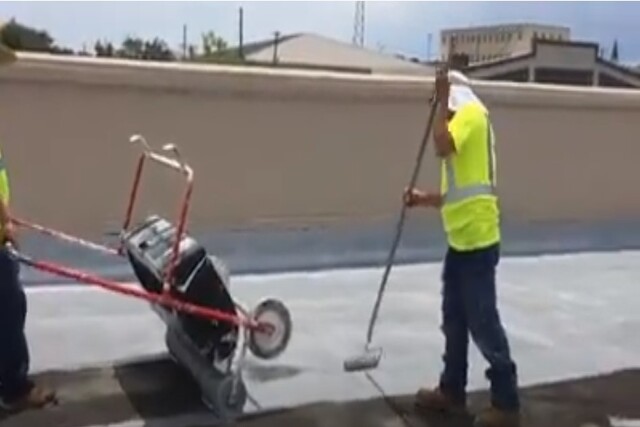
4	214
413	197
443	140
6	227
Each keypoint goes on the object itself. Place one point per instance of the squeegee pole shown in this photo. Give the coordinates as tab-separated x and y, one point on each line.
401	220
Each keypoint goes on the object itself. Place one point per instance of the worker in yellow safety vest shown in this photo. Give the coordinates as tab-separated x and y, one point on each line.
17	391
464	141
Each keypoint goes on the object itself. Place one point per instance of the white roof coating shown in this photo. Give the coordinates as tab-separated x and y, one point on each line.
565	315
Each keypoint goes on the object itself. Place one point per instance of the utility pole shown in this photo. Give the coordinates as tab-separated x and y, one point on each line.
184	42
429	37
241	33
358	24
276	40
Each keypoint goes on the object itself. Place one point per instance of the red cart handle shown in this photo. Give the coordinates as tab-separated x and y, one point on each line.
164	300
177	164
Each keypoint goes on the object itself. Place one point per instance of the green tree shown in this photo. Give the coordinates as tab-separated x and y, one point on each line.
132	48
99	48
614	51
158	50
213	44
104	49
138	48
108	50
21	37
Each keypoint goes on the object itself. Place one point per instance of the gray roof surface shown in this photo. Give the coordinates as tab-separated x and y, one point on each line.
567	316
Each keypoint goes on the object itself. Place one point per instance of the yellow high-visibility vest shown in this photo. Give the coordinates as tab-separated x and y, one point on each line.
470	213
4	181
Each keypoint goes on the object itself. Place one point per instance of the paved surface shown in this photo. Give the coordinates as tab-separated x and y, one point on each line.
155	393
567	316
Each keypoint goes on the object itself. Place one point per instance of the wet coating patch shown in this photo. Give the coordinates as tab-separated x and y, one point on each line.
266	373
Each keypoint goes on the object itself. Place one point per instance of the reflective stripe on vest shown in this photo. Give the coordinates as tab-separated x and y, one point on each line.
456	194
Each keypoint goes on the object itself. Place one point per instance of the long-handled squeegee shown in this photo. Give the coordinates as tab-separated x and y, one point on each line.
371	357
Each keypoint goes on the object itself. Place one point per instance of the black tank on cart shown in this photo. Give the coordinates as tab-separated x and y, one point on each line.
200	279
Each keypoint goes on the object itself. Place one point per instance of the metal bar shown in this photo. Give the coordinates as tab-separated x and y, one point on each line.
176	164
184	209
159	299
172	164
133	195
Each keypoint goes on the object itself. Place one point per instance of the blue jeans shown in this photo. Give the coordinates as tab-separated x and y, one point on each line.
469	307
14	351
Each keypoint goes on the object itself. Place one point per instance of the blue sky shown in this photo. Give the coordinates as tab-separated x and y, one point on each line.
395	26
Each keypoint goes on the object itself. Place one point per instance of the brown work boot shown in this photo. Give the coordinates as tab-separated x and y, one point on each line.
38	397
436	400
494	417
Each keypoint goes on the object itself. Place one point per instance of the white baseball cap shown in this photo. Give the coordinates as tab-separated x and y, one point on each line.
461	93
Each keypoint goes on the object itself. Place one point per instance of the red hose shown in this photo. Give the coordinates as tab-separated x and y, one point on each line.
65	237
160	299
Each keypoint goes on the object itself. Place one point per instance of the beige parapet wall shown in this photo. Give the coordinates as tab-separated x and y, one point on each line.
294	147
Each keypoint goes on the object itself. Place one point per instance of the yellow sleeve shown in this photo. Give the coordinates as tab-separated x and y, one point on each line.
461	126
4	181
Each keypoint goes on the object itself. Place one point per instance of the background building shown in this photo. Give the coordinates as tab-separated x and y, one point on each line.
558	62
306	50
518	53
488	43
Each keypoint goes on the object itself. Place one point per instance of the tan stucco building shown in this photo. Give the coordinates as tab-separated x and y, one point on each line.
558	62
486	43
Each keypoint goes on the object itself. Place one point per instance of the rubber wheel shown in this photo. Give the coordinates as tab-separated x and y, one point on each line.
226	405
268	346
